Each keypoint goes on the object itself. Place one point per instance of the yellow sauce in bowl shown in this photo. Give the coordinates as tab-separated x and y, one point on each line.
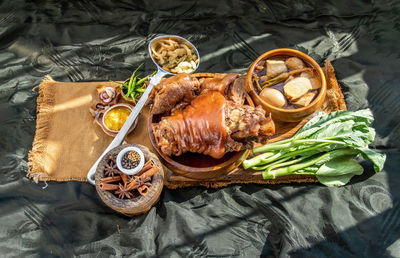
116	117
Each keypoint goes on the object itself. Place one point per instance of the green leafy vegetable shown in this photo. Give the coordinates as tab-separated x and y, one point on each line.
324	147
338	172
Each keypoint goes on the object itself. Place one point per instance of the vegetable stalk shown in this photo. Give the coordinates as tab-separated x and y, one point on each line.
282	77
323	147
320	159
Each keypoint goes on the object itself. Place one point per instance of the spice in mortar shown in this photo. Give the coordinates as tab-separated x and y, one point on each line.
130	160
116	117
129	187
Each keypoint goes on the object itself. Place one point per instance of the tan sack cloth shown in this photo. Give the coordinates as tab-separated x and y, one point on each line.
68	141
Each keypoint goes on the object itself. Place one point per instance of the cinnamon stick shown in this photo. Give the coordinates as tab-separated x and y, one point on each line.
152	171
140	180
148	165
108	187
124	177
143	190
111	179
132	185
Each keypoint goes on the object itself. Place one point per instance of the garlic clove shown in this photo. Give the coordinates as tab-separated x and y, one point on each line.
107	95
110	92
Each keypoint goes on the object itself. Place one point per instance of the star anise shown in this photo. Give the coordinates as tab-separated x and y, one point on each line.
110	169
112	159
137	181
142	180
131	179
123	192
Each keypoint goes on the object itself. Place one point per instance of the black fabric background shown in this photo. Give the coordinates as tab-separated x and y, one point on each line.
87	40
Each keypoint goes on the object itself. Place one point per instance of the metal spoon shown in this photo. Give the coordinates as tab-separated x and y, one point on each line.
119	138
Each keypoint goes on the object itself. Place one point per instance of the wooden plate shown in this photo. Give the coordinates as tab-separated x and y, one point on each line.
199	166
195	165
138	205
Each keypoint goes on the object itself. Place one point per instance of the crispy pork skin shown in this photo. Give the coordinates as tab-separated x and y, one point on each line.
173	90
178	91
219	84
212	125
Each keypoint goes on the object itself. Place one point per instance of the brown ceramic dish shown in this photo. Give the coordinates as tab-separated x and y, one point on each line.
288	115
140	204
199	166
100	119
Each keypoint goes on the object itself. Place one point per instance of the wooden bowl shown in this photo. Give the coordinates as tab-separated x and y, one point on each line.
195	165
100	119
288	115
138	205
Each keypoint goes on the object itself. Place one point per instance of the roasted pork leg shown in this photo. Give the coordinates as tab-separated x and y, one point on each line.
173	90
212	125
219	84
177	91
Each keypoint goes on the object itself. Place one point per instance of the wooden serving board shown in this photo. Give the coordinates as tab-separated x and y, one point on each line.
334	101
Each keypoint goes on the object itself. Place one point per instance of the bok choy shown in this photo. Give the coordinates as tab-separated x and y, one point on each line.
325	147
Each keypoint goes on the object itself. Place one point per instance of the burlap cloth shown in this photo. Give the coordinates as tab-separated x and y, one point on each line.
68	140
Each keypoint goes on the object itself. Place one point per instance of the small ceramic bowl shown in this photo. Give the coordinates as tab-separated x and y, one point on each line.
103	114
134	170
288	115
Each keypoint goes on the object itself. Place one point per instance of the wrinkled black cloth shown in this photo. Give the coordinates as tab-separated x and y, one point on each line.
105	40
